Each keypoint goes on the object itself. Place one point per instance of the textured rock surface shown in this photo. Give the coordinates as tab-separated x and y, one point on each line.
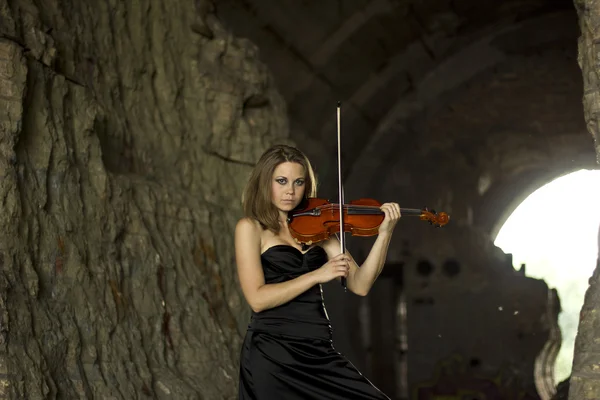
585	378
126	133
589	19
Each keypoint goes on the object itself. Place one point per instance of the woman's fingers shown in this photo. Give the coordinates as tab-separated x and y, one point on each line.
391	210
340	265
386	211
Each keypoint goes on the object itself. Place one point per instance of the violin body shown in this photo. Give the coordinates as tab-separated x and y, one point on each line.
315	220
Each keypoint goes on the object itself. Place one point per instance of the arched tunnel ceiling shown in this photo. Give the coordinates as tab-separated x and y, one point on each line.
483	96
492	123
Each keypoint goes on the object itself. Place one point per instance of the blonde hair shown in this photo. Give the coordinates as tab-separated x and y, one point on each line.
256	199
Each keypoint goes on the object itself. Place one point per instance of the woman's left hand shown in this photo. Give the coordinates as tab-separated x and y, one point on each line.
392	215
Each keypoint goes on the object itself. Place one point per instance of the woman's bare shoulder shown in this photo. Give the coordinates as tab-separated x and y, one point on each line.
248	226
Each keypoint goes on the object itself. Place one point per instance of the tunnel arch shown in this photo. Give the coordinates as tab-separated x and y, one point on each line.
475	57
566	150
300	52
471	57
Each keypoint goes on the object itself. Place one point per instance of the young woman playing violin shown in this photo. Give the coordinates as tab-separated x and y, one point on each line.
288	351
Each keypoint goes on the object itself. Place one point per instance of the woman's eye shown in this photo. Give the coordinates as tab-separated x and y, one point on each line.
300	182
281	181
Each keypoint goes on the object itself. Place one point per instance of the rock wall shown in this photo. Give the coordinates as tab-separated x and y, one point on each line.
585	376
127	132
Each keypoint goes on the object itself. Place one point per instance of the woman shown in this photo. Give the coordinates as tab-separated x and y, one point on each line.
288	351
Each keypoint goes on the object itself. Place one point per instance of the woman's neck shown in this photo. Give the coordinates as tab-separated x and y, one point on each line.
283	219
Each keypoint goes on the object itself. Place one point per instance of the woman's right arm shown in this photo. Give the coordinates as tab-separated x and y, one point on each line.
261	296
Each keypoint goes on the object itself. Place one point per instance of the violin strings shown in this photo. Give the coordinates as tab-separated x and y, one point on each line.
366	209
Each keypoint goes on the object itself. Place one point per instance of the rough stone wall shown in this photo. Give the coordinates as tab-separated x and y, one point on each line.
126	133
589	15
585	376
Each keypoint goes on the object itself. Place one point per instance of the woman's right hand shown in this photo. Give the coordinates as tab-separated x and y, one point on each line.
336	267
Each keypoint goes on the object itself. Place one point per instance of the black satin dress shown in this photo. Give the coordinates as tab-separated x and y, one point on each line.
288	351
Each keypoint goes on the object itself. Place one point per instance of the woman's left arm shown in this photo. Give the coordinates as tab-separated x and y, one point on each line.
361	280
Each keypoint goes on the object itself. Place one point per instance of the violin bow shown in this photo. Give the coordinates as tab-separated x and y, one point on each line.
341	190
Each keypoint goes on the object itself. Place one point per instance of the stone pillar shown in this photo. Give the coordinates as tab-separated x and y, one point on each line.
585	376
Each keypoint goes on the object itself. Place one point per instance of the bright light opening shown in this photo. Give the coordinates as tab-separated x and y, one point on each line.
554	232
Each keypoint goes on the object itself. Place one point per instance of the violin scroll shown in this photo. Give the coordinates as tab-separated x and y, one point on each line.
434	218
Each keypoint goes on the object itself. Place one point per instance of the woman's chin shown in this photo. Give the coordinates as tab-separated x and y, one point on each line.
287	206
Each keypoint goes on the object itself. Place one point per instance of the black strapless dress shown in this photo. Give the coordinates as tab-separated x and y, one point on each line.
288	351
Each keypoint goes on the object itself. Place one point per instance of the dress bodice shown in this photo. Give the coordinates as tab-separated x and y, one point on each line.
305	315
283	262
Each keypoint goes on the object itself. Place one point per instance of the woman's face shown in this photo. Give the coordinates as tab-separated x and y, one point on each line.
288	185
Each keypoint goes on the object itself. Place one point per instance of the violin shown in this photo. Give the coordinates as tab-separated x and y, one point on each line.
315	219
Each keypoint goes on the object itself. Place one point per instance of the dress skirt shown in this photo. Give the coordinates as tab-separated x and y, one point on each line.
287	368
288	351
